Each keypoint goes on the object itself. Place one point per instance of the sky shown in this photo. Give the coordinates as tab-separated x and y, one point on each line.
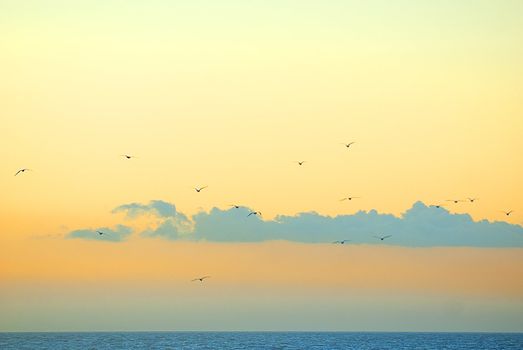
230	95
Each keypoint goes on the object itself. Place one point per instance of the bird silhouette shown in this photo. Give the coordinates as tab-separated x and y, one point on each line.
235	206
348	198
507	213
199	189
341	242
254	213
381	238
300	162
128	156
437	206
22	171
472	200
348	144
455	201
200	278
100	232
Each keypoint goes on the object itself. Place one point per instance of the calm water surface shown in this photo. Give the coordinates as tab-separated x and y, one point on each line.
261	340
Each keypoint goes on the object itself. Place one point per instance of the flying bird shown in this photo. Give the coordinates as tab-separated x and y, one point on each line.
200	278
198	189
341	242
235	206
22	171
348	144
254	213
437	205
507	213
471	200
300	162
381	238
456	201
348	198
128	156
100	232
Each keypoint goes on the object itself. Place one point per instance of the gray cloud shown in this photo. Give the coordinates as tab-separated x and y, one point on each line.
419	226
118	234
155	207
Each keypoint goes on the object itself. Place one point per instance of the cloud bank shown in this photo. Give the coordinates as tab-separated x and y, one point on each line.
117	234
419	226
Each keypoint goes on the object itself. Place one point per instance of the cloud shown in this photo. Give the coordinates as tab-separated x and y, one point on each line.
419	226
155	207
118	234
172	224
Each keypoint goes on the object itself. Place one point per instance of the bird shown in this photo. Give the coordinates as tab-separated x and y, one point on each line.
348	144
100	232
471	200
300	162
254	213
200	278
198	189
348	198
381	238
22	171
507	213
437	205
235	206
341	242
456	201
128	156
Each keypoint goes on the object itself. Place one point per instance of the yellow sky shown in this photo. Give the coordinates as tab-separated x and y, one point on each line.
433	118
230	95
461	271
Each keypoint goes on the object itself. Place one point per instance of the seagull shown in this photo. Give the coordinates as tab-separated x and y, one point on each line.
456	201
254	213
198	189
507	213
341	242
100	232
235	206
22	171
382	237
348	198
200	279
348	144
300	162
128	156
471	200
437	205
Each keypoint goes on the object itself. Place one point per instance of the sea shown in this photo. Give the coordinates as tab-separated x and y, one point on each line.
260	340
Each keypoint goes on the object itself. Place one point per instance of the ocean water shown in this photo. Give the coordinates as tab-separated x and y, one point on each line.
261	340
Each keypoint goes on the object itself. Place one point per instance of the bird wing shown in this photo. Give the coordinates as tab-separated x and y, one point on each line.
204	277
387	236
250	214
19	171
